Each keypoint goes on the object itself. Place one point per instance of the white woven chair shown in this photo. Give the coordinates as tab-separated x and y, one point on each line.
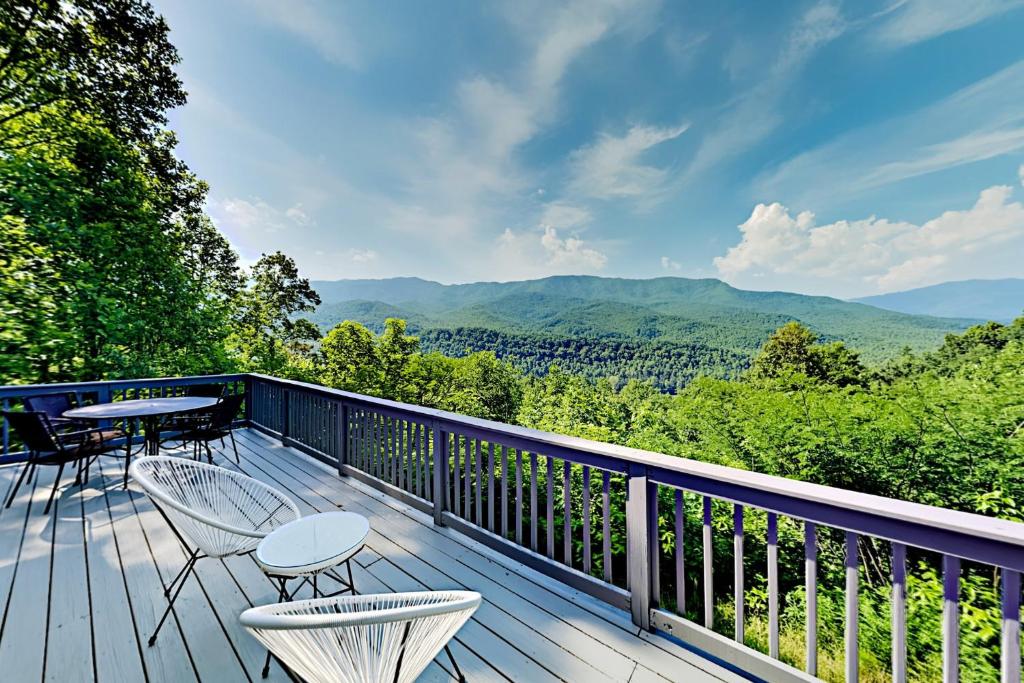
362	638
215	512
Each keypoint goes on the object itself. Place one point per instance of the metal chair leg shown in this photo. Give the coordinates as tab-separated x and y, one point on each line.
193	557
282	596
458	671
170	605
235	447
53	491
21	478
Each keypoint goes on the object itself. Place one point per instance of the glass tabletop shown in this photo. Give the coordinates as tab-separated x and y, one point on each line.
313	540
143	407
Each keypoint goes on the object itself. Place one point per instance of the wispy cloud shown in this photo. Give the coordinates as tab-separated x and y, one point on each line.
876	254
612	167
753	114
318	24
462	170
913	21
981	121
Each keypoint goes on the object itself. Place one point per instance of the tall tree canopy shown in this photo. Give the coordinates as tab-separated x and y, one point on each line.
90	186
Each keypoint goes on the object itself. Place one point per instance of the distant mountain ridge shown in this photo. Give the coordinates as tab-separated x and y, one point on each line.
692	326
1000	300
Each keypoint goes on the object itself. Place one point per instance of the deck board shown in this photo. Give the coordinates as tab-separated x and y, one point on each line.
69	650
113	627
110	552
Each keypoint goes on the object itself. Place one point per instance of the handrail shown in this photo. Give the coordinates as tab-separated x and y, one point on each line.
20	390
697	476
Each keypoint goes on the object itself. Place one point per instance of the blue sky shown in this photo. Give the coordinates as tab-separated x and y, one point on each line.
823	147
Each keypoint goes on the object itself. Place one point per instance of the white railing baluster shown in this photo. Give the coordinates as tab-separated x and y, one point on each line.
1010	649
709	600
851	640
950	618
773	585
899	613
680	554
811	594
737	568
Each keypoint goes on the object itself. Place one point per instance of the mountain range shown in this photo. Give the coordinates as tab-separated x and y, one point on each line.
666	330
999	300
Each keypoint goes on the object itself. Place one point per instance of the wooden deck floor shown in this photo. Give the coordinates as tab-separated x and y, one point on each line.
81	589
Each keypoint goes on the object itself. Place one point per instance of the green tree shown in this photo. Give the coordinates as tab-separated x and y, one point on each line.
793	348
348	359
266	334
29	291
89	174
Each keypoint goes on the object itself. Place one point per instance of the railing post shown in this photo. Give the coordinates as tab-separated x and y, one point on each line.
638	547
247	388
440	472
103	395
286	416
343	435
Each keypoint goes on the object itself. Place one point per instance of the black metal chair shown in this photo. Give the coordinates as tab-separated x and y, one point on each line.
55	405
205	390
46	447
190	421
217	424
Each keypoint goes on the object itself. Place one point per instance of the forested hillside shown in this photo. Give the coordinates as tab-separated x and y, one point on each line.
666	330
668	365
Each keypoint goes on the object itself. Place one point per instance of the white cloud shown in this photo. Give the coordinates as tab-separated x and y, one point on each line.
298	215
1020	174
554	247
876	254
536	253
361	255
912	21
237	216
570	251
315	23
611	167
462	170
669	264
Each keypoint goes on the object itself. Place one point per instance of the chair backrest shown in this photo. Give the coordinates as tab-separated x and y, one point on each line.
54	405
205	390
221	511
389	637
224	413
34	430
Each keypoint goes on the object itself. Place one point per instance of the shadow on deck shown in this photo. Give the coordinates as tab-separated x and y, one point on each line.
81	589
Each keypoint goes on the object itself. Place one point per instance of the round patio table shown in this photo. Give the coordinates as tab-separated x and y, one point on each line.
148	411
311	546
